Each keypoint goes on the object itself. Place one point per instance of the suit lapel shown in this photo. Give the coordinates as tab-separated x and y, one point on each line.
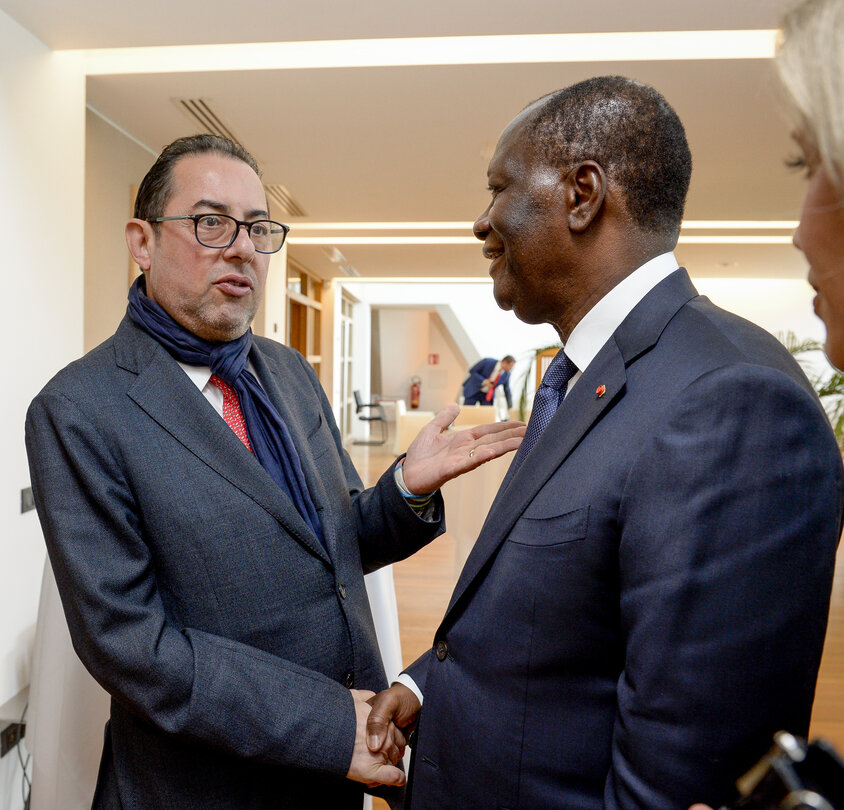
574	418
164	392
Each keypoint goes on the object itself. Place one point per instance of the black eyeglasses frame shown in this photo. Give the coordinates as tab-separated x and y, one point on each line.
238	224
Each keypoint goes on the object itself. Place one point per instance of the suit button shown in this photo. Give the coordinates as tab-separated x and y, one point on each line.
442	650
349	680
342	589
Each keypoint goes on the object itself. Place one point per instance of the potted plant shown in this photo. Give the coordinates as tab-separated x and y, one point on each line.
827	381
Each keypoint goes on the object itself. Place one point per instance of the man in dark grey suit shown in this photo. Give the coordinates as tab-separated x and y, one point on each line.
212	573
647	600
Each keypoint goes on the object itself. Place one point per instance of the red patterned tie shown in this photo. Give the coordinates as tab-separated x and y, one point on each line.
231	411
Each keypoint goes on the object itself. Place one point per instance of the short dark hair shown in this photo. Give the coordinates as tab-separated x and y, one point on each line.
632	132
156	187
508	358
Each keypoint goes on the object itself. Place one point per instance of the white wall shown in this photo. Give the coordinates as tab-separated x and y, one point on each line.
42	129
446	377
404	351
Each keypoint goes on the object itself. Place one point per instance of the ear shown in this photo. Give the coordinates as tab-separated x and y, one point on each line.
585	192
140	239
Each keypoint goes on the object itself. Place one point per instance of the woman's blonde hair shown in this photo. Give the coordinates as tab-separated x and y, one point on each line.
810	59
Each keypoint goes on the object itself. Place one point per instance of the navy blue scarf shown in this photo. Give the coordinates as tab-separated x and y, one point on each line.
268	434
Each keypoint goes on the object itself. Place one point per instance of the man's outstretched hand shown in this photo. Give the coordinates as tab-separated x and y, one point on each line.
438	454
375	767
394	708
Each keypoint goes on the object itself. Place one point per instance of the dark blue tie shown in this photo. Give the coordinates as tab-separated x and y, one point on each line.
548	397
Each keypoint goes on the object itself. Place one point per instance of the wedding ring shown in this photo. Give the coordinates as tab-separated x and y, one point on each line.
471	453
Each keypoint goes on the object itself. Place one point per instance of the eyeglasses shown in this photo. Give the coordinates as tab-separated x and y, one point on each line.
220	230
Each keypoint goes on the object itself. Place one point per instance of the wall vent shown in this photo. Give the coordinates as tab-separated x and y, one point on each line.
200	111
280	195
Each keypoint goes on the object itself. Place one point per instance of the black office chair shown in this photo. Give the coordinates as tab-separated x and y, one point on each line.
376	415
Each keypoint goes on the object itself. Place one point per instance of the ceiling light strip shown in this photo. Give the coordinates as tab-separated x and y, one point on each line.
382	226
625	46
341	239
734	239
688	225
415	280
740	224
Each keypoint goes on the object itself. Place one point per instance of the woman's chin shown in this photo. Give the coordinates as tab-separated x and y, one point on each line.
834	348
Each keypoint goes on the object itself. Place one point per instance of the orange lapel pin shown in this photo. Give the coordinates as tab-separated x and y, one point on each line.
600	391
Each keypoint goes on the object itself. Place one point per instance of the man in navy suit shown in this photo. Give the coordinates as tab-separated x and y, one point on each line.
212	573
647	600
484	377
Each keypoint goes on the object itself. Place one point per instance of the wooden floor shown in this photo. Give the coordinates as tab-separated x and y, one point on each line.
424	583
828	714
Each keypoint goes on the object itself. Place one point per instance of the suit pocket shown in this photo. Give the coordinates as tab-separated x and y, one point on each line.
535	528
320	439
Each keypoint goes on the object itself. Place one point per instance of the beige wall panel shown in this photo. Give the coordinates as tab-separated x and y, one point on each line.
113	165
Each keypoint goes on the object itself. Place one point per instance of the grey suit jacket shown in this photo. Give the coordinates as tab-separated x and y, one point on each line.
646	603
196	595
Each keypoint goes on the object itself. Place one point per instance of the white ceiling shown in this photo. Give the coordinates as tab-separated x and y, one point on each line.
412	143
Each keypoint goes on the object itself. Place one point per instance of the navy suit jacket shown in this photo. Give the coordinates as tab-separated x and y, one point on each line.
647	600
477	375
196	594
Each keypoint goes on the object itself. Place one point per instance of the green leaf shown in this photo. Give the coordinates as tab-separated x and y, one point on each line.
828	382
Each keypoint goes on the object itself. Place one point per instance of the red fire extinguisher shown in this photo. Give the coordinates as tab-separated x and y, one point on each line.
415	382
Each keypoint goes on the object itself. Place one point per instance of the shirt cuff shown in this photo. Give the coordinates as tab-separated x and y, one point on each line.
405	680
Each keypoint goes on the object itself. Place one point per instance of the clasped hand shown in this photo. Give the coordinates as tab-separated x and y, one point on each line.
376	766
384	722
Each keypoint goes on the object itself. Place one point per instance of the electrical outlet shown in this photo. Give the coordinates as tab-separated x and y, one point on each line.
27	500
10	737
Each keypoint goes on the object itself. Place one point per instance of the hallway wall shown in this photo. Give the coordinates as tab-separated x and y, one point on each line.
42	130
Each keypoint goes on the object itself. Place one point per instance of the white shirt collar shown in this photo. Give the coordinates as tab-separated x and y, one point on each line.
199	375
598	325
